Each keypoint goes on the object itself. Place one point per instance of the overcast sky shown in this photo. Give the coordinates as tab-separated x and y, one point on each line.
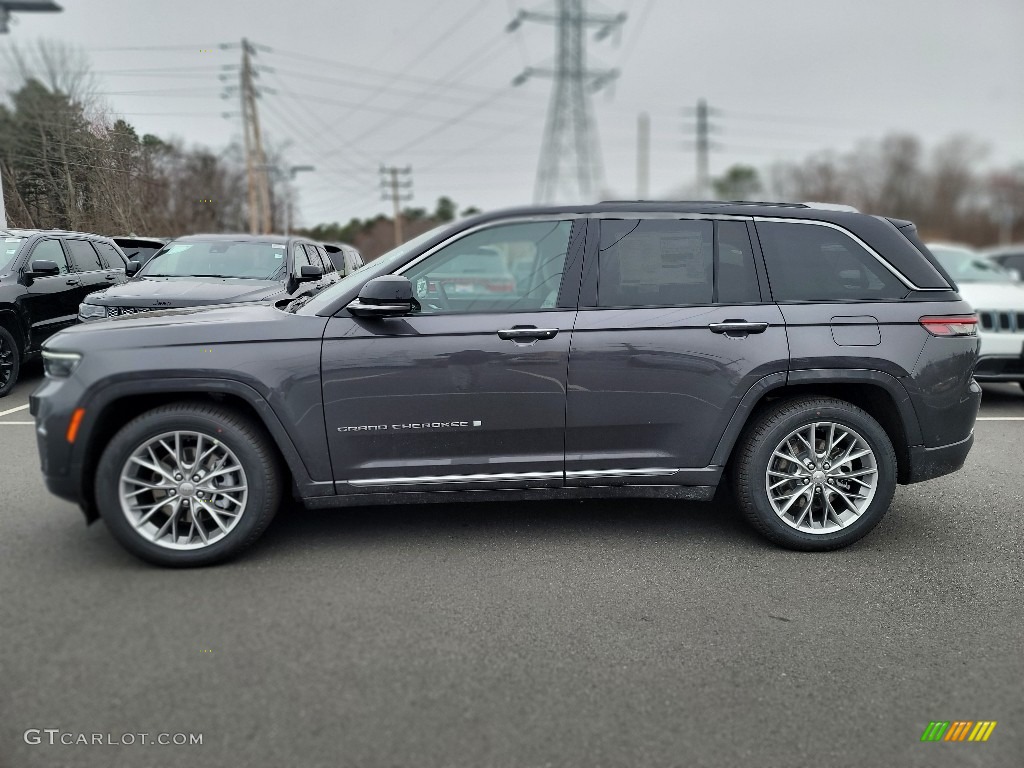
427	83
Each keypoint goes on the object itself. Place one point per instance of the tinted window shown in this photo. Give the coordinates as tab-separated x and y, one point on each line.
301	259
815	263
514	267
111	259
314	257
735	274
84	255
652	262
50	250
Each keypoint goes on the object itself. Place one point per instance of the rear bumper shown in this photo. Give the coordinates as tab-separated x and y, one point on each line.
929	463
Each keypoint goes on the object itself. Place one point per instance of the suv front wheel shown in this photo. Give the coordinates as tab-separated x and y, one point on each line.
188	484
815	473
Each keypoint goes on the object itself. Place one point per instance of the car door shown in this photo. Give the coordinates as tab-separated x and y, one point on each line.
49	303
92	273
459	395
672	332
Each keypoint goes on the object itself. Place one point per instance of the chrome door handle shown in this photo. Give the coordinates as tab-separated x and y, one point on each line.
738	326
520	332
73	282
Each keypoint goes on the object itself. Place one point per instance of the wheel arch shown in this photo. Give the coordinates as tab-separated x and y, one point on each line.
120	403
879	394
11	320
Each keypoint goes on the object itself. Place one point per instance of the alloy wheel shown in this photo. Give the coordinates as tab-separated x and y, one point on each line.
821	478
183	490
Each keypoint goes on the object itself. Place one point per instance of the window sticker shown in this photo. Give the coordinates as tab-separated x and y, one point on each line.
659	257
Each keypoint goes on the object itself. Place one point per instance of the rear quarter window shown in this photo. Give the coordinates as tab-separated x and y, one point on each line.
808	262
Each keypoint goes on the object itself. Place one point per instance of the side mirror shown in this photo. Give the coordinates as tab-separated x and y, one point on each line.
308	273
132	268
385	296
43	268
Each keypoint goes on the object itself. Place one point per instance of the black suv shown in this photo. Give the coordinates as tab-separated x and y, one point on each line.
217	269
819	357
44	274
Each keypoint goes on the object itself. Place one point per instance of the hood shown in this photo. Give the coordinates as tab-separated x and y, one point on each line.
186	292
203	326
998	296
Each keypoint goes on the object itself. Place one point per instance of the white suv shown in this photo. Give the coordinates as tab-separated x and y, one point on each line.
998	301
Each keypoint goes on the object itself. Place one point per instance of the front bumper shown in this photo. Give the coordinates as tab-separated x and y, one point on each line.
1002	357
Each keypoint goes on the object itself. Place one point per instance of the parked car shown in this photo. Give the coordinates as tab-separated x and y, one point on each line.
814	359
140	249
216	269
998	301
1010	258
346	258
44	274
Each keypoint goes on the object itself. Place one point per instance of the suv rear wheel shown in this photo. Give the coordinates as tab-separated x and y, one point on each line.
10	361
188	484
815	473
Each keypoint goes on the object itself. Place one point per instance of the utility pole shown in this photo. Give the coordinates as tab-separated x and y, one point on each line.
570	147
703	145
392	190
643	156
255	159
6	8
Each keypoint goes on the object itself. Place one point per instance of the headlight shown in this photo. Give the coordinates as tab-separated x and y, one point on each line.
92	312
59	365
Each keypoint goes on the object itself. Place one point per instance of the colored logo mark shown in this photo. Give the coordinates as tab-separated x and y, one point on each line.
958	730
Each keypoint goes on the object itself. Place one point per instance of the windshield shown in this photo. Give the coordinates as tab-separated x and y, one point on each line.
966	266
8	251
375	268
219	258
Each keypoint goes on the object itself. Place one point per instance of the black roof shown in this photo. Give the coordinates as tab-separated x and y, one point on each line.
730	207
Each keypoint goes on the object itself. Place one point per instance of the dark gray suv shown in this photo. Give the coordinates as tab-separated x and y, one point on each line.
815	357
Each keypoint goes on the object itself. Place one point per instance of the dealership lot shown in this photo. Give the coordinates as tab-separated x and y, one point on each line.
584	633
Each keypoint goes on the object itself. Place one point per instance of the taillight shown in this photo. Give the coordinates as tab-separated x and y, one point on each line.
959	325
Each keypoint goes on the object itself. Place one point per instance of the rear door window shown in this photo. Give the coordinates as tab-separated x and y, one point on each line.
810	262
109	257
84	255
666	262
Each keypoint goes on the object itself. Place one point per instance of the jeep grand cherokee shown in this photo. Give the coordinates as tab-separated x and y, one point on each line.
815	357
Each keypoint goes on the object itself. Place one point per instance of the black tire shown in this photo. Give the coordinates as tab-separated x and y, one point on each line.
10	361
250	445
755	450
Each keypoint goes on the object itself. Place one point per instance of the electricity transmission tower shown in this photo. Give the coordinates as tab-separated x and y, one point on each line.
570	158
257	169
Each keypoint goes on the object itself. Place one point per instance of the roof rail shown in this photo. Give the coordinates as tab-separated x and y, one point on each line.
712	202
832	207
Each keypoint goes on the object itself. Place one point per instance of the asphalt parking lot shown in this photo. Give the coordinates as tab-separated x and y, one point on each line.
558	634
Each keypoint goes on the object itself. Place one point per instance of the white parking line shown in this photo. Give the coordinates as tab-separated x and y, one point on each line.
14	410
13	423
1000	418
